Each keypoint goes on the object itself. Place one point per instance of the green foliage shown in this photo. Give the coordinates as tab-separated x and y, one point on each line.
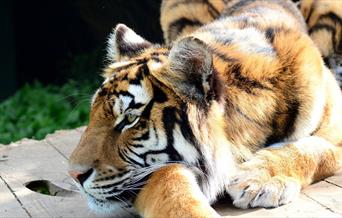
37	110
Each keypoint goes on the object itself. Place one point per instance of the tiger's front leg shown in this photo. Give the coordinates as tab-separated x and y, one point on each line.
275	175
172	191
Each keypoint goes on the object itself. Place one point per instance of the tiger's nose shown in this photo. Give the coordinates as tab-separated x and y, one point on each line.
80	177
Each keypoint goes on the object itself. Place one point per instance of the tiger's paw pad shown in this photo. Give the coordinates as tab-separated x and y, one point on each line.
256	192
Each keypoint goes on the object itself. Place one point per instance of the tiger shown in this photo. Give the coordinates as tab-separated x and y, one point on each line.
243	105
323	23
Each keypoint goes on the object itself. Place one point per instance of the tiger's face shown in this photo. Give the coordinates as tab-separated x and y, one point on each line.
138	122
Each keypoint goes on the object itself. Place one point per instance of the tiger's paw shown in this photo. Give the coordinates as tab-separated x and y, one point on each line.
249	190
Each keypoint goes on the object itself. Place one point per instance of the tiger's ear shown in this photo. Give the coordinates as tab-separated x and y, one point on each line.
191	64
124	42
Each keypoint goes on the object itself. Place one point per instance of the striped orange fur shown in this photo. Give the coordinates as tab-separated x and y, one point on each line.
242	104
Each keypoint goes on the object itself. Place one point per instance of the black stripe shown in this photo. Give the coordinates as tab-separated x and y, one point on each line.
236	108
333	17
133	105
133	152
143	137
103	91
319	27
292	112
327	28
177	26
244	83
169	121
159	95
212	10
129	195
221	55
238	80
339	47
137	145
188	134
155	132
119	127
146	114
126	93
139	76
108	108
269	33
186	129
279	131
126	158
338	21
141	156
110	185
121	174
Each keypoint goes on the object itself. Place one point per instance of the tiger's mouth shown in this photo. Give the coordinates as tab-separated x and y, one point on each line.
115	207
108	195
125	197
119	200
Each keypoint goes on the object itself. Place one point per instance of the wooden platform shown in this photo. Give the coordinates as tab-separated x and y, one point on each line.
29	160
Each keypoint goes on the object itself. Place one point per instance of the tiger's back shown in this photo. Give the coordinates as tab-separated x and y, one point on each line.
323	21
273	75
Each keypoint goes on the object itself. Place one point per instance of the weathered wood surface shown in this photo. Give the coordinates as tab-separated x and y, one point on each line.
30	160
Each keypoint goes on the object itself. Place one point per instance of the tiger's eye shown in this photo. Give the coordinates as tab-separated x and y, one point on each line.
131	118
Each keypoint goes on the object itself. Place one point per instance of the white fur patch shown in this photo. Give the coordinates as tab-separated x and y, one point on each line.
115	65
140	94
155	66
110	208
305	125
313	145
156	158
131	37
111	47
184	148
279	144
126	100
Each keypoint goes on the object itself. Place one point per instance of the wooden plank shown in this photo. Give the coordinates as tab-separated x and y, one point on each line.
326	194
81	129
301	207
304	207
31	160
64	141
336	179
9	206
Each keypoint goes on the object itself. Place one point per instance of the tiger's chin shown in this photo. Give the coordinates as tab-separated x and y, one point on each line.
111	208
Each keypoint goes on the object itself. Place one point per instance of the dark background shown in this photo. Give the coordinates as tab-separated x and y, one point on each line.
44	40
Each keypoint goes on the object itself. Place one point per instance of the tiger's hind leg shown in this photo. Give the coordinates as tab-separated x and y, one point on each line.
324	20
179	17
275	175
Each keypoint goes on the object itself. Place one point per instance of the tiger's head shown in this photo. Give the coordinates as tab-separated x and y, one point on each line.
139	118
